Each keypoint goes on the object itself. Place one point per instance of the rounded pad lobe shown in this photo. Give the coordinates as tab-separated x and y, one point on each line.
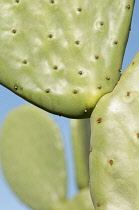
114	168
63	55
32	157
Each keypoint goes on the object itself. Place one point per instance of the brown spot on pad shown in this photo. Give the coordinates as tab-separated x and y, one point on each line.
99	120
90	149
80	72
96	57
47	91
77	42
79	9
128	6
98	204
50	36
14	31
128	93
75	91
25	61
138	135
111	162
55	67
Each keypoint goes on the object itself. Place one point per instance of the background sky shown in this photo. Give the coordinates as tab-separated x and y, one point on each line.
9	101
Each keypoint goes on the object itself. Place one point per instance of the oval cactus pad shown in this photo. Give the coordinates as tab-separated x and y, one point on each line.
33	159
114	160
63	55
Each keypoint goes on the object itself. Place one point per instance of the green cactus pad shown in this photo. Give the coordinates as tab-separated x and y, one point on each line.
114	160
81	131
33	159
63	55
82	201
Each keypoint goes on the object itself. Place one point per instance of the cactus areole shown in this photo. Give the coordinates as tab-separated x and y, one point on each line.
63	55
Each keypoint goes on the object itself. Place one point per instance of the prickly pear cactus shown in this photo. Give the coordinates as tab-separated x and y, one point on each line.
82	201
81	131
32	157
63	55
114	160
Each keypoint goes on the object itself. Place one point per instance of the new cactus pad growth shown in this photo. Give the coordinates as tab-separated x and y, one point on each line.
32	157
63	55
114	160
81	131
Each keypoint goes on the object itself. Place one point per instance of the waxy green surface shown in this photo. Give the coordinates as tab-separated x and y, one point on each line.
82	201
81	132
63	55
114	160
32	157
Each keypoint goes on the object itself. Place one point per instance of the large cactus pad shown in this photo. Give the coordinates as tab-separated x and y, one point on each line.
63	55
32	156
114	160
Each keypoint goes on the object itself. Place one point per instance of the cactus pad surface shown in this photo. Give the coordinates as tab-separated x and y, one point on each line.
81	132
32	157
114	160
82	201
63	55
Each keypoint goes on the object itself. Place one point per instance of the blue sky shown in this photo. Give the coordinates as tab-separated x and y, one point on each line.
9	101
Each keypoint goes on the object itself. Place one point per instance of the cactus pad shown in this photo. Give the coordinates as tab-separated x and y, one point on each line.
114	160
81	131
82	201
33	159
63	55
